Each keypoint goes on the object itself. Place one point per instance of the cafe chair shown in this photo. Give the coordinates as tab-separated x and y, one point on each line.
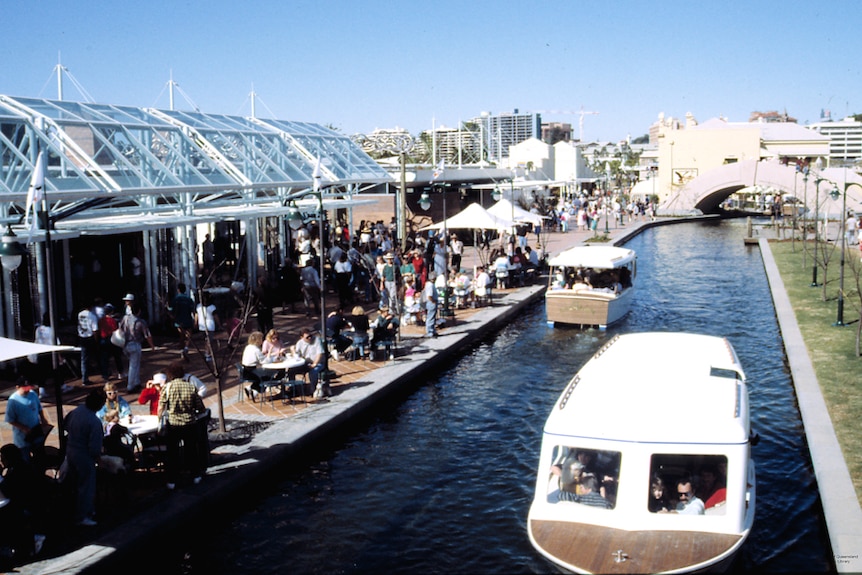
243	380
270	385
291	388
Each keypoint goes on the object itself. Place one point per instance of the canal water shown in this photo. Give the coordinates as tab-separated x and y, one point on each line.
440	480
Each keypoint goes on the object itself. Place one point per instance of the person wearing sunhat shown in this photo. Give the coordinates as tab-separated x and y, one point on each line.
389	281
151	392
127	301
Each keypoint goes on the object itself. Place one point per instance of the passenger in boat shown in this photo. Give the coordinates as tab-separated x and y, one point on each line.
580	285
689	503
712	489
658	501
589	492
626	277
570	478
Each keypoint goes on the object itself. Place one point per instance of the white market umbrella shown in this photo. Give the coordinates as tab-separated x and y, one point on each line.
504	209
13	348
473	217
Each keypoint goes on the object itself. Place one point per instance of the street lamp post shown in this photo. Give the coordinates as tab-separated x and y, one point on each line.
11	252
841	228
425	203
11	255
817	181
295	222
804	214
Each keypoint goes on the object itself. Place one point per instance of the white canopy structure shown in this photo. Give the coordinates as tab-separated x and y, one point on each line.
13	348
505	209
473	217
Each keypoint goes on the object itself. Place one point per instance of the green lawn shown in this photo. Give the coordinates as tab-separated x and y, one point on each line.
832	349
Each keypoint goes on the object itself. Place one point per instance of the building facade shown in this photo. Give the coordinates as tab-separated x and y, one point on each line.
845	141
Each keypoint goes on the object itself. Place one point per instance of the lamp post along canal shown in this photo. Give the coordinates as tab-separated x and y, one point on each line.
295	222
425	204
842	224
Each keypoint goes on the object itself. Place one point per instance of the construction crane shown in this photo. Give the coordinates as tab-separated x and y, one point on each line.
580	113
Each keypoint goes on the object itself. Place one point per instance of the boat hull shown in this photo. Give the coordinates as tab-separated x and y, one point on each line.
586	308
586	548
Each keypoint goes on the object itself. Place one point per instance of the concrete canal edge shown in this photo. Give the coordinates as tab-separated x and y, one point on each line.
837	494
284	439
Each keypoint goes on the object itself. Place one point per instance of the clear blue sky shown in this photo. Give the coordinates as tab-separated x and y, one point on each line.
365	64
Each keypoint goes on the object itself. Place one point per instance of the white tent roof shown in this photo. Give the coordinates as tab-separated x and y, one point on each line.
473	217
504	209
598	257
13	348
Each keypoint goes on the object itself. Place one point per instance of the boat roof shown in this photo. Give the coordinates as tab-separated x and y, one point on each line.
657	388
602	257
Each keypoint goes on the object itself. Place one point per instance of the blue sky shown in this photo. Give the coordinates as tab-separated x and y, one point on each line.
365	64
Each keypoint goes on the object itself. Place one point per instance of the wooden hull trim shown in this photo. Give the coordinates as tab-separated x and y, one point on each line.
586	548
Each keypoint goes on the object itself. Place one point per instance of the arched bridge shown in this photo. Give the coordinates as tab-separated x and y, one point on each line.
705	193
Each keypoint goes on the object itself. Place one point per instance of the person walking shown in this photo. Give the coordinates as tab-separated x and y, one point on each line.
25	414
183	309
310	287
429	294
184	411
135	332
83	448
107	350
88	327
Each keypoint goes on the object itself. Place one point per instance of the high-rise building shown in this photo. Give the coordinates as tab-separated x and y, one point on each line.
507	129
845	140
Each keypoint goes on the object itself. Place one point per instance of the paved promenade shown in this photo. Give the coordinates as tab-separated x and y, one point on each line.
260	436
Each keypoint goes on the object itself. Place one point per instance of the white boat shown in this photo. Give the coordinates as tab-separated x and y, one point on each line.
590	285
672	406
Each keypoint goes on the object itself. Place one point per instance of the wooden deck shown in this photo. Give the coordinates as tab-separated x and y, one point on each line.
593	548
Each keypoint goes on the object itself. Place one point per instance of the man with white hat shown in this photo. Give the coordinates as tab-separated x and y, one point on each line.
130	297
389	282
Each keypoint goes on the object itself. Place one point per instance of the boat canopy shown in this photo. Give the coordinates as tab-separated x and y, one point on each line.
597	257
657	388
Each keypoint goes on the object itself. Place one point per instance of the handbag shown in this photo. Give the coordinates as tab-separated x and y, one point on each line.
118	339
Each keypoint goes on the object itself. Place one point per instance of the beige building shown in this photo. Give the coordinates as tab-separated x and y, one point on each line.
688	150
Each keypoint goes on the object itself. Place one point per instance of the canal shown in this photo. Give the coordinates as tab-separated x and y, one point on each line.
440	480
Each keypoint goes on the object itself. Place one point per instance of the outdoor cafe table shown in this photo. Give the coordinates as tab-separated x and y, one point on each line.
142	425
286	365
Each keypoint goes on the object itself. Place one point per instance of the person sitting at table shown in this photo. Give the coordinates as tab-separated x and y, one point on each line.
501	271
272	346
482	284
118	442
359	322
310	349
113	400
461	289
252	358
412	309
336	323
112	418
151	391
385	330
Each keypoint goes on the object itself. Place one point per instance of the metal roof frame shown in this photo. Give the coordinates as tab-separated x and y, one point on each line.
105	162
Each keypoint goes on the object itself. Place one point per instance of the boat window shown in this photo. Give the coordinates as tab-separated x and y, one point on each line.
586	476
689	484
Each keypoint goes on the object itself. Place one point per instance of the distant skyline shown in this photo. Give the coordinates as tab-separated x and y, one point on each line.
362	65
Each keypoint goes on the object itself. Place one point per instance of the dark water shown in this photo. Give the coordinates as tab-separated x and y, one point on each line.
442	481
